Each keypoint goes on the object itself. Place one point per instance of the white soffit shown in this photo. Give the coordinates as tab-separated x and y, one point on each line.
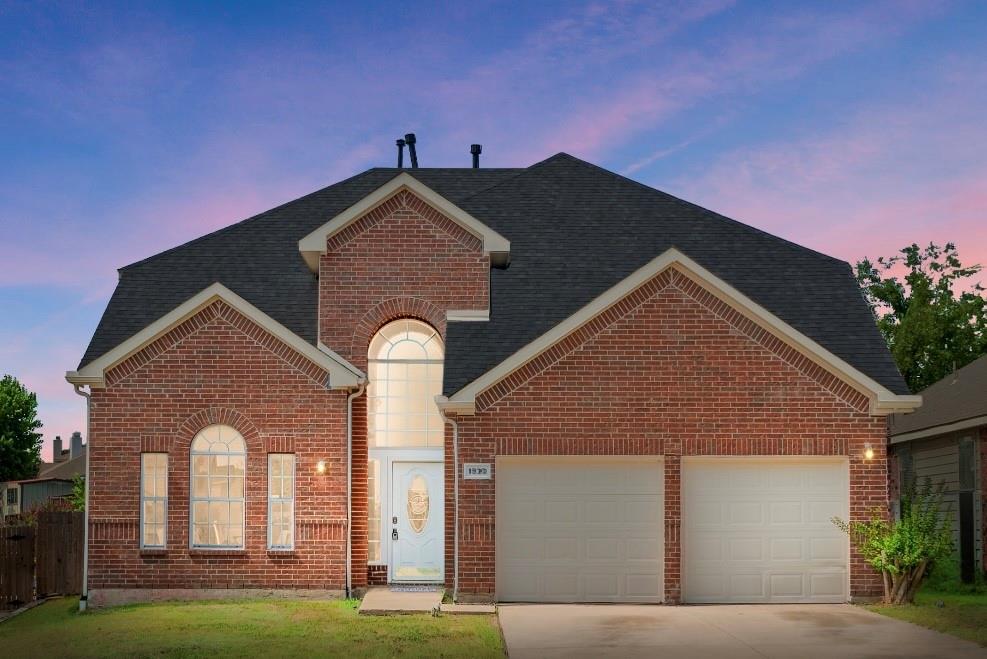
313	245
342	374
883	401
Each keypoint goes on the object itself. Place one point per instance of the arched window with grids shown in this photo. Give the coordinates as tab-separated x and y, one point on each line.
405	365
219	457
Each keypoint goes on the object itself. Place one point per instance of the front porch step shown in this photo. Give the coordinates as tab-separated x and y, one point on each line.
383	601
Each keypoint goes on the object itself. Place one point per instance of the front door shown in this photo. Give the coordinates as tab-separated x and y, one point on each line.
417	518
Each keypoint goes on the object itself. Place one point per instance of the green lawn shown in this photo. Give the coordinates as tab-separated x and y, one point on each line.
247	628
963	615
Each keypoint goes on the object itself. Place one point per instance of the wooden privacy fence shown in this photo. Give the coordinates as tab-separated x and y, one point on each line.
16	565
45	559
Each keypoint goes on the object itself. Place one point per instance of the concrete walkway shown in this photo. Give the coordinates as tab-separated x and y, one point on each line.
384	601
729	631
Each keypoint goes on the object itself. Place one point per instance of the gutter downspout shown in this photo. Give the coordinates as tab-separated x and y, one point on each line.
84	598
349	487
455	505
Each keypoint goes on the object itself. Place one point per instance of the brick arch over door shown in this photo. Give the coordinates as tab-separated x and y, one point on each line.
389	310
221	416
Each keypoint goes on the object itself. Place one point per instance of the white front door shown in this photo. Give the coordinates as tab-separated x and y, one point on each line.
417	520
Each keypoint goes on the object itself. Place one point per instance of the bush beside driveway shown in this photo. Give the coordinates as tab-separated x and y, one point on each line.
243	628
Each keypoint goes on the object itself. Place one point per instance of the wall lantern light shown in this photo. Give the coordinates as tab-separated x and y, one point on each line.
321	466
868	451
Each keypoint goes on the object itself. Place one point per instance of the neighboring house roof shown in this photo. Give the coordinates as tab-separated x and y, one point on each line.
60	471
956	402
575	231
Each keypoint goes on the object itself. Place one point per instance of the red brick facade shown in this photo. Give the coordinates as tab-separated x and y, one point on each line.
217	367
669	371
403	259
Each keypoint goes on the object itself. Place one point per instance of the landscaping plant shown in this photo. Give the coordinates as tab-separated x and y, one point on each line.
904	550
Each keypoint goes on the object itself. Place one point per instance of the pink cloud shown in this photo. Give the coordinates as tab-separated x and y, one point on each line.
893	174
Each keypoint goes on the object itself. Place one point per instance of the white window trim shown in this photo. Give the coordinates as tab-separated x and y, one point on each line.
192	499
272	499
144	498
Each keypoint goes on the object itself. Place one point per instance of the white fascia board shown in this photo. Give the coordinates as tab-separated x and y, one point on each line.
467	315
314	244
883	401
940	430
342	374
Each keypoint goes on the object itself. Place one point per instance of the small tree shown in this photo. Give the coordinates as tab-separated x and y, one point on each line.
904	551
78	497
20	443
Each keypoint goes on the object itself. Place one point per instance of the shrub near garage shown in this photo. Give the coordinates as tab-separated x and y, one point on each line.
904	550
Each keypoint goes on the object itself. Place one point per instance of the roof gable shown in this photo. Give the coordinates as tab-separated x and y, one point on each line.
314	244
882	401
342	374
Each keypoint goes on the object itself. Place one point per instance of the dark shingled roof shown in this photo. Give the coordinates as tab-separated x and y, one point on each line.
575	230
957	397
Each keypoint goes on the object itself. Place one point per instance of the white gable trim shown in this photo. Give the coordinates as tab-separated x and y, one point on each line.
314	244
883	401
342	374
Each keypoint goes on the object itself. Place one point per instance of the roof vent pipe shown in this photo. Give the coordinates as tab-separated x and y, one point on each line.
410	141
476	150
400	144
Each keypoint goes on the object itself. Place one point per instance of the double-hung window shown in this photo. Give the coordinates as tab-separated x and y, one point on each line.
154	500
281	501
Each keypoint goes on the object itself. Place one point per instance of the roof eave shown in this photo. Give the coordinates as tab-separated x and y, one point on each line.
342	374
882	400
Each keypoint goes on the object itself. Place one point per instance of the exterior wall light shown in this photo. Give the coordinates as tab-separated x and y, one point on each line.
868	451
321	466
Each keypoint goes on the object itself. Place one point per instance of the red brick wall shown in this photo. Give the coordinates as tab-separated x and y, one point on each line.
217	367
670	371
404	259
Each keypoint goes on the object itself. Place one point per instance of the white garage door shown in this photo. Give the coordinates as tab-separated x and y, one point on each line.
580	529
759	530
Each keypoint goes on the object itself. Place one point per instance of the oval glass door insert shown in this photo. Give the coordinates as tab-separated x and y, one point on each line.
418	504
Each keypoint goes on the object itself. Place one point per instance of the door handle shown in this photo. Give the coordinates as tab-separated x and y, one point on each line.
394	534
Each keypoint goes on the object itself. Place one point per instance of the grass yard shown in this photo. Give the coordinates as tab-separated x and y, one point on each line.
247	628
962	615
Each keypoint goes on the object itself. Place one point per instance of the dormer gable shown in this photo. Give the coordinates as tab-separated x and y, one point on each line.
314	245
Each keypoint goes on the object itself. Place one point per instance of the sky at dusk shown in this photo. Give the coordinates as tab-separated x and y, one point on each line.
128	128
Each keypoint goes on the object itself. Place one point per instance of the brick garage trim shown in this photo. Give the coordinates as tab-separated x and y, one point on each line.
690	379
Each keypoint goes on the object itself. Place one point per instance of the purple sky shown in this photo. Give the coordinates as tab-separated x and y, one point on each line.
851	128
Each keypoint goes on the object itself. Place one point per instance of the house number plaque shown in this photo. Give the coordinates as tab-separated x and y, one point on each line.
477	470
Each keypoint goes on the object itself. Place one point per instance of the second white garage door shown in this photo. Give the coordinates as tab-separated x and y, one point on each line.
579	529
759	530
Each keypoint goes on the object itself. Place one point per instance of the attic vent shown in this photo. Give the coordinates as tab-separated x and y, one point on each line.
476	150
410	140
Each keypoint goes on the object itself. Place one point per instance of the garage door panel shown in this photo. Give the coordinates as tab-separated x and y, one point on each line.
772	540
598	532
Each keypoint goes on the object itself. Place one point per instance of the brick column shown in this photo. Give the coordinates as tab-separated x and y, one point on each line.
673	523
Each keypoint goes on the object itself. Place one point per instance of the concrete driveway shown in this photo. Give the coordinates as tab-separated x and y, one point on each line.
731	631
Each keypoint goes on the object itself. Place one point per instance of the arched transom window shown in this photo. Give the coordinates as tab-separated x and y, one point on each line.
219	457
405	364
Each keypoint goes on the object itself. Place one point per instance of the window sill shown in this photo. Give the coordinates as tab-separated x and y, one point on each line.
154	552
281	553
199	551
